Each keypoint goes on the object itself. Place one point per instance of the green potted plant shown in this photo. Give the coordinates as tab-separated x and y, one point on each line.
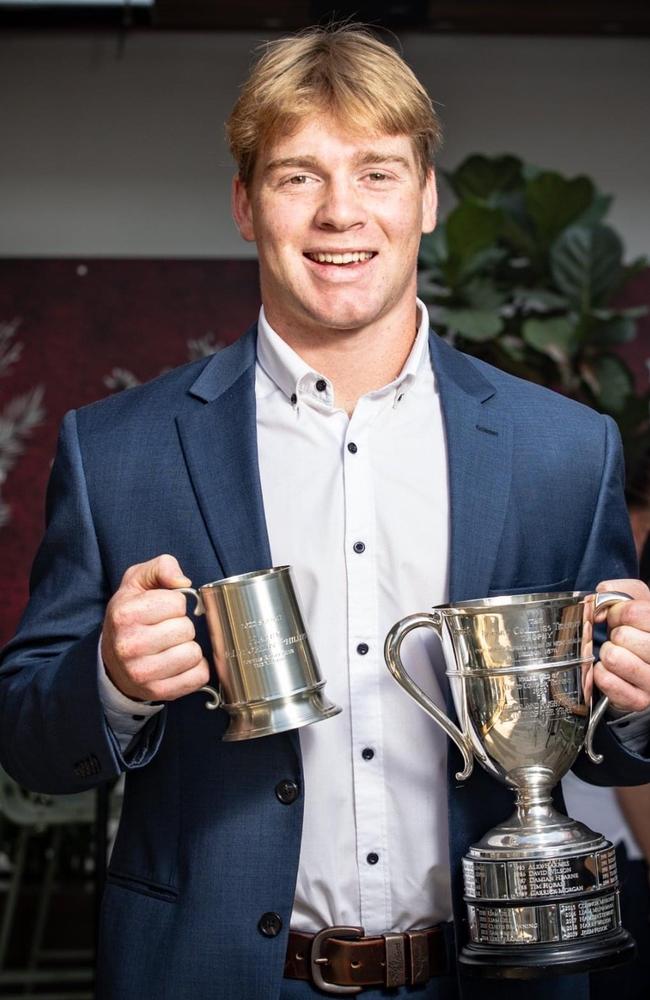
525	274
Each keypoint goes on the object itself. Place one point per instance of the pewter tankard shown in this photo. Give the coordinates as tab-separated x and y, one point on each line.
541	889
268	674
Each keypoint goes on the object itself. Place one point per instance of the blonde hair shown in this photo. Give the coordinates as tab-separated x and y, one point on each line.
342	70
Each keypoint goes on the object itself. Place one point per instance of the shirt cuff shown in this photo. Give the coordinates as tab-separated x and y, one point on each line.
125	716
633	730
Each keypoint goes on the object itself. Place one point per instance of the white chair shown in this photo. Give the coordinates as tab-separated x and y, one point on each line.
36	815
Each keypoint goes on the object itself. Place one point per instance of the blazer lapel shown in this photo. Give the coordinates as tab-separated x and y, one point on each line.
479	447
219	441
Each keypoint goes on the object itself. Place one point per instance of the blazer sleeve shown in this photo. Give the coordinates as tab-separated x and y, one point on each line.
610	554
54	737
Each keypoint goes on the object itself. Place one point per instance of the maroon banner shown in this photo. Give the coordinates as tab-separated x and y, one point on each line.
77	321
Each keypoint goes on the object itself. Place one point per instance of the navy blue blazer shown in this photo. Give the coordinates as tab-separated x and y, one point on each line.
204	846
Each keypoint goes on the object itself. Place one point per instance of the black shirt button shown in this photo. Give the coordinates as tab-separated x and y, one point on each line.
270	924
372	858
294	398
359	547
287	791
321	385
138	718
352	447
362	648
367	753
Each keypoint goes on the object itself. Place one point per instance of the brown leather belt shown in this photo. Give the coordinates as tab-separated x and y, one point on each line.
341	960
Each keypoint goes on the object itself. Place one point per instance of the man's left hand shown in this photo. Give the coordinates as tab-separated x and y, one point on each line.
623	672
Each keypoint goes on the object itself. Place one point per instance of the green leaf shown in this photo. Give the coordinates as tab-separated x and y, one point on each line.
482	176
633	312
586	264
540	299
617	330
483	263
429	287
482	293
475	324
555	337
520	238
470	228
610	381
513	347
555	202
596	212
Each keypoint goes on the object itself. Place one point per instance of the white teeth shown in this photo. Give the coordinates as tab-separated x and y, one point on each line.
341	258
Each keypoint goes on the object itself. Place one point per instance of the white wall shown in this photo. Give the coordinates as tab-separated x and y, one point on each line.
120	153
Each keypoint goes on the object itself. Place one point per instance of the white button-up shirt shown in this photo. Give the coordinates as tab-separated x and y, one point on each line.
359	507
374	843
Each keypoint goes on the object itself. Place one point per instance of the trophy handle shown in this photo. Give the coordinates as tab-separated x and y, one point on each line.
603	600
215	697
392	647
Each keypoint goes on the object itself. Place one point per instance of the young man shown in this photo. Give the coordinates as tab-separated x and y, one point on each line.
393	473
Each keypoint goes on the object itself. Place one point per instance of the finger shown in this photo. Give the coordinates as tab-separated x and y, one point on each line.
635	589
622	695
183	684
635	613
148	671
163	571
626	665
150	640
146	608
635	639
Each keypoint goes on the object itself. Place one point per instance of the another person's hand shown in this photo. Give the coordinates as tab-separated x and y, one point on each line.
148	644
623	672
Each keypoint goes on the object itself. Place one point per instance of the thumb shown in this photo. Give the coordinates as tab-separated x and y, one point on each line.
162	572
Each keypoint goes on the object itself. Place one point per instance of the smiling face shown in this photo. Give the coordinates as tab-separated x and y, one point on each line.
337	219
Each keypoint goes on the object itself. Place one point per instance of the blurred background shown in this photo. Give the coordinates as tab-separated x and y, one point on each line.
118	259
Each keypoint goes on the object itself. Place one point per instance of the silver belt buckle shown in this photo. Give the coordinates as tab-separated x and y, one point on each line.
395	960
317	961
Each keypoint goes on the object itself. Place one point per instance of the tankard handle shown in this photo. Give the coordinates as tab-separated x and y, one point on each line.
392	648
215	697
603	600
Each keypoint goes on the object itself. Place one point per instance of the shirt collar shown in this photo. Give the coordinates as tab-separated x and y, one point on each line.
294	377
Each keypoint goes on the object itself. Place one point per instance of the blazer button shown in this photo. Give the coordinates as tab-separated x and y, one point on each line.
287	791
270	924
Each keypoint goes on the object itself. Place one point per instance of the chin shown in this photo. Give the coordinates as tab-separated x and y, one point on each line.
343	316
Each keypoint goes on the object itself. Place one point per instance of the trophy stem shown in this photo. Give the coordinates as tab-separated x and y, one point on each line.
534	801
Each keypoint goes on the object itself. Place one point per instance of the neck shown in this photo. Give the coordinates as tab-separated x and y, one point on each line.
355	361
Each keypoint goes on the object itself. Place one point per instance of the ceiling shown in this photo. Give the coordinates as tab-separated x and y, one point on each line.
448	16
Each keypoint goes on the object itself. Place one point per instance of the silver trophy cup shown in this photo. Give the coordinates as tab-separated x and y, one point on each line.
541	889
268	674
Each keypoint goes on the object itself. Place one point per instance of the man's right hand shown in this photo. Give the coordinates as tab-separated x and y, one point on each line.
148	645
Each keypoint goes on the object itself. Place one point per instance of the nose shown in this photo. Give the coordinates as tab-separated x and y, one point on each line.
341	207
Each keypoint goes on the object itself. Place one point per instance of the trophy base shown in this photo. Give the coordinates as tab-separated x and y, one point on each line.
543	961
278	715
535	911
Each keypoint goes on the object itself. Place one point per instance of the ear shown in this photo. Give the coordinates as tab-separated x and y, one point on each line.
242	211
429	203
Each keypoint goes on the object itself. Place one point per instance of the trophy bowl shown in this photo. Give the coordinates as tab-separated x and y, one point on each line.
541	889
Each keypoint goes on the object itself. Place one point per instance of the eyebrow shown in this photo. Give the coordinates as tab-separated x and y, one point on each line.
361	159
